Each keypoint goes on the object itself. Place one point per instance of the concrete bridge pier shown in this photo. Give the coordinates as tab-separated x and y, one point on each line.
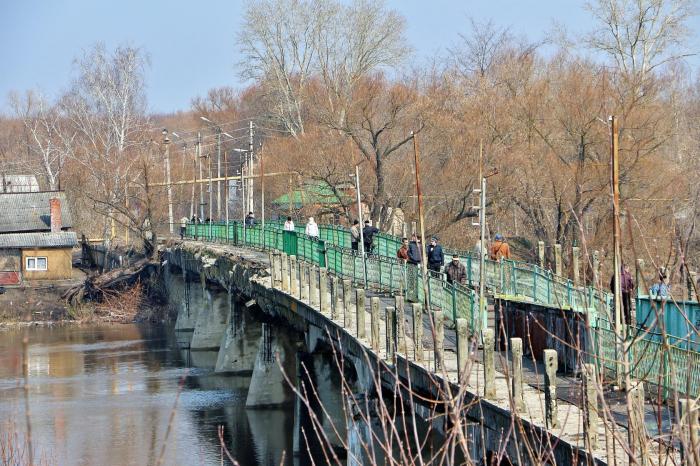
328	385
212	317
276	353
186	296
239	345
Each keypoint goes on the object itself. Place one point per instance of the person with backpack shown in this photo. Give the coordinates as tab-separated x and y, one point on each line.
355	235
499	249
368	233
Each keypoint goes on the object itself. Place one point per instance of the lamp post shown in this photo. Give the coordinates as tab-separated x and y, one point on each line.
218	164
359	216
166	142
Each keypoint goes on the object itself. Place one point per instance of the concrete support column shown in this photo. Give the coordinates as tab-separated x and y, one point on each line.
277	270
347	304
557	260
489	365
575	265
284	266
374	325
550	388
304	281
268	387
540	252
462	348
328	388
390	322
211	321
293	276
239	348
417	332
439	344
400	325
590	413
324	301
313	286
360	313
637	430
335	298
516	355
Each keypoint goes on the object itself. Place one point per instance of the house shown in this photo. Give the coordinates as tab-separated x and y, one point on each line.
35	243
18	184
317	198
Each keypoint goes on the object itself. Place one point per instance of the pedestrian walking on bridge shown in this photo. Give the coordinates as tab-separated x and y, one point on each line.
456	271
436	258
500	249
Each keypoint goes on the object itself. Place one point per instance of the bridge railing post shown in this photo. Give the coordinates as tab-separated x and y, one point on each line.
689	427
551	364
313	286
284	266
489	365
439	343
347	303
637	430
516	354
359	313
374	325
462	348
293	276
400	324
417	332
557	260
324	302
304	289
590	414
390	322
335	297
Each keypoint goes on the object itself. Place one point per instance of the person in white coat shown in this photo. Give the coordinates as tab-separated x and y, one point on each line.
289	224
311	228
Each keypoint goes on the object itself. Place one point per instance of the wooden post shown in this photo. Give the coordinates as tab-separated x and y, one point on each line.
540	252
590	413
489	365
575	265
557	260
439	344
462	348
374	325
390	341
417	332
360	312
550	388
293	276
516	354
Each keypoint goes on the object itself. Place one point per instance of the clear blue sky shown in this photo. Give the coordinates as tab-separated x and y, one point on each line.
191	44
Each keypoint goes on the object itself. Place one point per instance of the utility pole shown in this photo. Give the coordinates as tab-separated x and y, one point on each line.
226	194
617	257
166	142
194	186
262	191
218	173
211	191
243	196
419	197
482	255
201	185
250	168
359	216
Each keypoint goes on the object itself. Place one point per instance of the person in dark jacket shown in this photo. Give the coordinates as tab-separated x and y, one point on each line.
436	259
368	233
415	251
627	288
250	219
456	271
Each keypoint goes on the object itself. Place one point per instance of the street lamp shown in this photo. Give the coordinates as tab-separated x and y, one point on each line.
218	163
166	142
359	216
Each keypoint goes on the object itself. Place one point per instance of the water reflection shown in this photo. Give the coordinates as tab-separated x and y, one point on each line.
104	394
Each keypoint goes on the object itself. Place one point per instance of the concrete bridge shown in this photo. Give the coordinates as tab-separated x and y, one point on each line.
290	326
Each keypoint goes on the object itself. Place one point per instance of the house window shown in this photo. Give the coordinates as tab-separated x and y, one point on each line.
35	264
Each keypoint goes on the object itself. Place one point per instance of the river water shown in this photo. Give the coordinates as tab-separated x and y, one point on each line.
104	395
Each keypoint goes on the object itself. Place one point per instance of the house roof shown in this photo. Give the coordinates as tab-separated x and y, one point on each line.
64	239
23	212
316	193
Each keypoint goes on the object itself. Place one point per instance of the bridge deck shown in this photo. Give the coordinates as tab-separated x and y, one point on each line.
570	416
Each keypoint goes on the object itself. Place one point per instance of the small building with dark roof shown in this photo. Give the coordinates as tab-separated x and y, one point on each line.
35	241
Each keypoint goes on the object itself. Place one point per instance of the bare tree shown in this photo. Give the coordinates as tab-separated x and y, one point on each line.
106	110
477	52
640	35
46	140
